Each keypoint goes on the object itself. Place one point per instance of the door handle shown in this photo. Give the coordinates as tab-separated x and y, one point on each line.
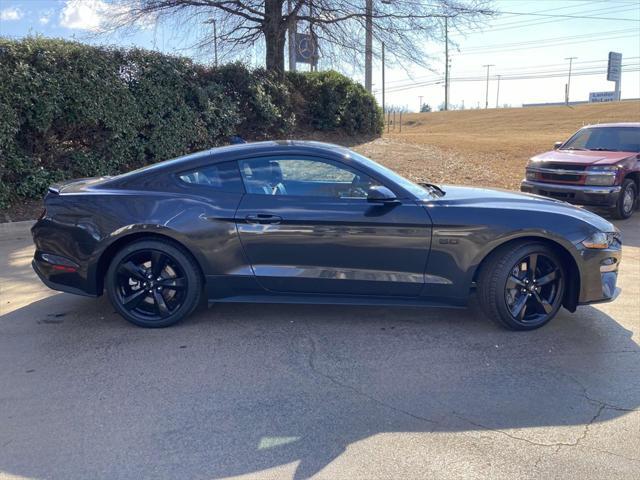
263	219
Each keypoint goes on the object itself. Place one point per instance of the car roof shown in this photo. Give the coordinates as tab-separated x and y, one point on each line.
619	124
237	151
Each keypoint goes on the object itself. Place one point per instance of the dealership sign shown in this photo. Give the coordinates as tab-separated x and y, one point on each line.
306	49
602	97
614	67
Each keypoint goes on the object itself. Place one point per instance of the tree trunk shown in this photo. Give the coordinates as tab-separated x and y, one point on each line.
274	35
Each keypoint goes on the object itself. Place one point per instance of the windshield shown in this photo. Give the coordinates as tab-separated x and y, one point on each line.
414	188
614	139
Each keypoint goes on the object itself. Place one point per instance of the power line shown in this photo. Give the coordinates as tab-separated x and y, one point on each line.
532	23
539	68
464	53
582	17
628	68
552	39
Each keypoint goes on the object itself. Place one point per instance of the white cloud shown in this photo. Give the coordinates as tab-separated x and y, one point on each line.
11	13
88	15
96	15
45	17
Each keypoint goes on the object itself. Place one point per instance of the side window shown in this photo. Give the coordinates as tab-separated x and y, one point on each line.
222	177
303	177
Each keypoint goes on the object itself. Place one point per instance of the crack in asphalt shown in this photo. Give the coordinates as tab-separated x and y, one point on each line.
585	394
601	406
532	442
312	366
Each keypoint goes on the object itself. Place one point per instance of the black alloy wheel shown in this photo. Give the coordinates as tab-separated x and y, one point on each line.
532	288
153	283
521	285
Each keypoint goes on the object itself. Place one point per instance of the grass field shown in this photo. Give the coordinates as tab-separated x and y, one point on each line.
485	147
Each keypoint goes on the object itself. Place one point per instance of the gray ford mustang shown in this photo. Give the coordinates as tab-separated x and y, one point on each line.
306	222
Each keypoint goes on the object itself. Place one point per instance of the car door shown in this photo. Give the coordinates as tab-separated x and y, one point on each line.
307	227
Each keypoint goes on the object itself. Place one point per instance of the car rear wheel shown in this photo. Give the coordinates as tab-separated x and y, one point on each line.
153	283
627	200
522	287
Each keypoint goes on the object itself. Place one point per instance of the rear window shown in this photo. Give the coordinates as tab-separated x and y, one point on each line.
222	177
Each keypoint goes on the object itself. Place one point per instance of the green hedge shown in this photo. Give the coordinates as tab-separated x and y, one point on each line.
72	110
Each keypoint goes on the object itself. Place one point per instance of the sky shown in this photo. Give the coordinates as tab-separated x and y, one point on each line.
533	40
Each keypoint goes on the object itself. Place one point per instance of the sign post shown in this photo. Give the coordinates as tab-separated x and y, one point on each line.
614	71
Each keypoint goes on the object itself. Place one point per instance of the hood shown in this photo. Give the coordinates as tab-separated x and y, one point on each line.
582	157
505	199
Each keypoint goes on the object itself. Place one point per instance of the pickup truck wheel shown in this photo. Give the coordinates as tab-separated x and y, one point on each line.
521	287
627	200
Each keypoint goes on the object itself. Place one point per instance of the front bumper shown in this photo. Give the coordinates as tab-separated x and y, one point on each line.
578	194
599	275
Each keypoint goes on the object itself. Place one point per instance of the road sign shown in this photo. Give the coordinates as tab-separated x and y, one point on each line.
306	49
595	97
615	67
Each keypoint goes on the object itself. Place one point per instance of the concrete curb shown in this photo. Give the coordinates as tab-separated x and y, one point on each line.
11	228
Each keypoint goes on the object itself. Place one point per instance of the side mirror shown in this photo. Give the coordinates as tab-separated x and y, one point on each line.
557	145
380	194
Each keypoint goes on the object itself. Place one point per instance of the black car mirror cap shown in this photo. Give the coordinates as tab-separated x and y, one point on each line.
381	194
557	145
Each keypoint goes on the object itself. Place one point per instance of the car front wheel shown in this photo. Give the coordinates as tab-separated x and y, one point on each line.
153	283
522	286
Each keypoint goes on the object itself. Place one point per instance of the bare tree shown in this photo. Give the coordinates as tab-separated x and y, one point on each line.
339	25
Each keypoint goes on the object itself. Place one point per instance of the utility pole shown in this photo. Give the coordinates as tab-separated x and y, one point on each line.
571	59
215	43
446	63
486	102
383	80
291	36
420	97
368	44
212	21
498	92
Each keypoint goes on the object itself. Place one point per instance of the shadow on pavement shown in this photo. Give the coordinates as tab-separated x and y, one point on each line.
238	389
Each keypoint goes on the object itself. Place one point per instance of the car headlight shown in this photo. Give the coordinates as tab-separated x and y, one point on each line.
602	175
530	175
601	240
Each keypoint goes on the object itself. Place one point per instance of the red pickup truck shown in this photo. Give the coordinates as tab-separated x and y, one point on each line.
598	166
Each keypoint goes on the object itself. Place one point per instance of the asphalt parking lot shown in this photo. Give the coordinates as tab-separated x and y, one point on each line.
289	391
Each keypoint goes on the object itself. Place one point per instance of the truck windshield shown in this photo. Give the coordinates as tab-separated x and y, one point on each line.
614	139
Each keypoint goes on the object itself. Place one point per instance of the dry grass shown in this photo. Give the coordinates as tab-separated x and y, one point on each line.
485	147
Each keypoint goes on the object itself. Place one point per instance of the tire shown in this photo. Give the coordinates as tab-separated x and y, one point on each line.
504	285
153	283
627	200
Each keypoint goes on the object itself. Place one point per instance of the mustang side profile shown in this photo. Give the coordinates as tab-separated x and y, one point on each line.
308	222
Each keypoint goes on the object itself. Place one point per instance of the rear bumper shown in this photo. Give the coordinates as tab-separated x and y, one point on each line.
578	194
69	282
